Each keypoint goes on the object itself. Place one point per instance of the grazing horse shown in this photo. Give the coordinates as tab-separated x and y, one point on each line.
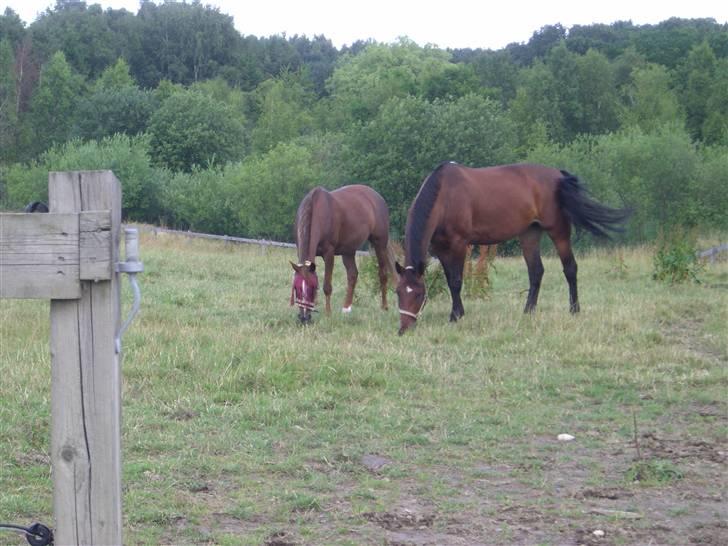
333	223
459	205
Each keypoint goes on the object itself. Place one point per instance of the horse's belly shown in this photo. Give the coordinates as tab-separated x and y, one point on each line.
489	233
496	226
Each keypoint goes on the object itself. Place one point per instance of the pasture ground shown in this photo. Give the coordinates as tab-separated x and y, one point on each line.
241	427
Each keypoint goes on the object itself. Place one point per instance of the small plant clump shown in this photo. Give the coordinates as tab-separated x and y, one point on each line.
653	472
676	259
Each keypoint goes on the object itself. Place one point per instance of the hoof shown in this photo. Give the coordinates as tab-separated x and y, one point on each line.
346	310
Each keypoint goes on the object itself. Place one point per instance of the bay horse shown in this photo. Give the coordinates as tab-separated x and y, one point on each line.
336	223
457	206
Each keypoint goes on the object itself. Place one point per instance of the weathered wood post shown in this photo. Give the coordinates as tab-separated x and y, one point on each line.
86	380
70	256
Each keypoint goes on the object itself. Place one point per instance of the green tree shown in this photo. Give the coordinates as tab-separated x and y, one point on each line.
183	42
497	71
410	136
8	102
696	84
284	112
712	184
272	185
596	94
12	27
649	100
362	83
318	58
564	68
53	105
106	112
534	108
220	90
456	80
81	32
115	76
715	126
191	128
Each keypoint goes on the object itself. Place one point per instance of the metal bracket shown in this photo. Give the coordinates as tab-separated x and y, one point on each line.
131	267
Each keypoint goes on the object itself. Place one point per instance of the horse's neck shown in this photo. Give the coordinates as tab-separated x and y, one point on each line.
418	244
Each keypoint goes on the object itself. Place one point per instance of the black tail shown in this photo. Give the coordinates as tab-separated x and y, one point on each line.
584	212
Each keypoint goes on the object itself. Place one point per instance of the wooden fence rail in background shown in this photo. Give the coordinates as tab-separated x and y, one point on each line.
224	238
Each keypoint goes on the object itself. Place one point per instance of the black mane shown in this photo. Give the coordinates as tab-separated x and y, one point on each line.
419	215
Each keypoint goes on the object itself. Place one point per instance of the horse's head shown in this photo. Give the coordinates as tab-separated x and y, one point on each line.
411	294
304	290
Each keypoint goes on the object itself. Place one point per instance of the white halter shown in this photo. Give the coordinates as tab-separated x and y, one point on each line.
410	313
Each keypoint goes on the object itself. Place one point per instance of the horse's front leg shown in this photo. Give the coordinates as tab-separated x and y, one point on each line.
352	274
453	264
328	273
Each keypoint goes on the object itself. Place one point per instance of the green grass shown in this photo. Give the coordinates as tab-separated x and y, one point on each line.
238	423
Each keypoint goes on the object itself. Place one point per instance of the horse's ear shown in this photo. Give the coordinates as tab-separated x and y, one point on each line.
399	268
296	268
312	267
420	269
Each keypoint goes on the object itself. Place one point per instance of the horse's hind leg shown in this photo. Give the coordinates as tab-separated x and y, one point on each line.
531	246
383	260
352	273
563	247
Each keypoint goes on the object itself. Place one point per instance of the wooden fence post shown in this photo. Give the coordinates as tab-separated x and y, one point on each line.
86	379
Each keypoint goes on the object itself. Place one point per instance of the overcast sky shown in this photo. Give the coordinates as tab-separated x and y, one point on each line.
449	23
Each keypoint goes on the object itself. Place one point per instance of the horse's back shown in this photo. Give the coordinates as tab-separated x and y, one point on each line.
358	195
358	203
360	214
498	203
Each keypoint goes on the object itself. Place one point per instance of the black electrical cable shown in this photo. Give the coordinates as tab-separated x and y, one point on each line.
36	535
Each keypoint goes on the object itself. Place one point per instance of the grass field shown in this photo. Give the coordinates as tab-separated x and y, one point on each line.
242	427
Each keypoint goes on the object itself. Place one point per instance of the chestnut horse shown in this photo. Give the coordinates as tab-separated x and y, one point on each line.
459	205
337	223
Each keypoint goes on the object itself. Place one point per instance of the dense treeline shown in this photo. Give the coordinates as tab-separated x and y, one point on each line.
216	131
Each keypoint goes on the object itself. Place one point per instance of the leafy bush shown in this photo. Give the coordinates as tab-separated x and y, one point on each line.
203	200
193	129
107	112
675	259
126	156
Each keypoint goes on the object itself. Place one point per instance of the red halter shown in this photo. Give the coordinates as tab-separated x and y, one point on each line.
303	292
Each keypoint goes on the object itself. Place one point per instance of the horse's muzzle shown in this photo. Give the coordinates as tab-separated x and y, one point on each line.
405	323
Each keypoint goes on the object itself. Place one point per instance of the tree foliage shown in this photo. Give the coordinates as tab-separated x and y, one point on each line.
234	128
53	104
192	129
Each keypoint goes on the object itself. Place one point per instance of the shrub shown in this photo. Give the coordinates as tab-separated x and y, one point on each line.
126	156
192	129
675	259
